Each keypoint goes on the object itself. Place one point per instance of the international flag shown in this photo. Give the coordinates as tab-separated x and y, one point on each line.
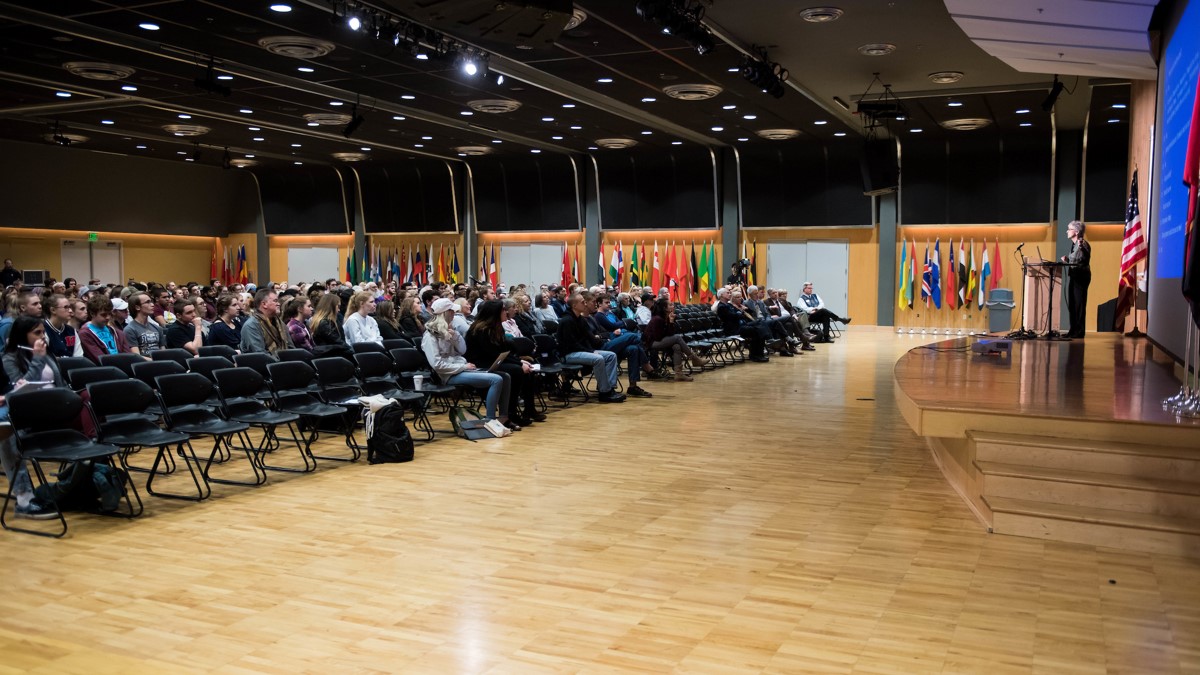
973	279
935	274
714	272
493	273
692	270
566	269
985	271
951	280
682	280
997	271
441	266
243	266
1191	178
705	288
656	273
405	266
749	281
902	284
620	281
753	273
603	279
350	267
912	279
962	275
926	285
418	270
614	266
669	271
429	268
456	272
635	270
212	268
575	265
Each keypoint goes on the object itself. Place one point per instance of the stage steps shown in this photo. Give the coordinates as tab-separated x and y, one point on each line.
1120	495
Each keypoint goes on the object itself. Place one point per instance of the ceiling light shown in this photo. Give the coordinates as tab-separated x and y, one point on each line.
107	122
141	147
749	117
497	140
647	133
188	159
676	142
184	116
592	147
945	77
820	14
354	23
180	152
821	122
568	105
877	49
298	163
605	80
1023	111
421	56
649	99
418	145
314	124
732	70
246	111
407	97
62	94
557	138
254	128
743	139
249	156
718	128
547	119
225	77
365	149
536	151
728	107
336	103
1026	124
305	69
576	127
1113	121
915	131
148	26
258	138
470	68
398	118
1119	106
427	138
295	145
840	134
281	8
954	104
128	87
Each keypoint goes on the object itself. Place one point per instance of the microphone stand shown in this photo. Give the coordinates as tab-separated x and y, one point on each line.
1136	332
1022	333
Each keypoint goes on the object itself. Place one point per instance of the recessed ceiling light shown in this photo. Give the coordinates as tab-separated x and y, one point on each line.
141	147
189	159
314	124
749	117
295	145
418	145
592	147
497	140
427	138
576	128
336	103
945	77
718	128
365	149
62	94
398	118
728	107
547	119
536	151
422	56
180	152
246	111
224	77
281	8
304	69
676	142
1120	106
258	138
128	87
148	26
1023	111
107	122
466	113
184	116
733	70
407	97
649	99
821	122
877	49
840	134
249	156
820	14
605	80
647	133
1113	121
1026	124
298	163
954	104
915	131
568	105
743	139
254	128
557	138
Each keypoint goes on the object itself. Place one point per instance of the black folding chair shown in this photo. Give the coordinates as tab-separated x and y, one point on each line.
237	388
377	378
259	362
218	350
397	343
296	355
123	361
175	354
368	348
568	373
206	366
68	363
82	377
412	362
112	404
42	419
183	400
291	385
338	384
527	347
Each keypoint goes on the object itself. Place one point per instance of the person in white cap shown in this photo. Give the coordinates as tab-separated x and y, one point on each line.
444	348
120	314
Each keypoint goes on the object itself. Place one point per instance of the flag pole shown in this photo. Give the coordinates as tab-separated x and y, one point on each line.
1137	290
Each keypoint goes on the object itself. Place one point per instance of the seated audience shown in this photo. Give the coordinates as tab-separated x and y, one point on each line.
187	331
444	349
227	330
326	326
97	336
814	306
385	317
625	344
359	326
737	321
142	333
296	312
60	334
27	303
663	333
643	312
541	307
264	330
410	322
26	360
486	341
580	345
508	315
528	321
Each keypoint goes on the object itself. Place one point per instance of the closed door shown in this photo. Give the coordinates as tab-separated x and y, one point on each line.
787	265
530	264
313	263
84	260
829	270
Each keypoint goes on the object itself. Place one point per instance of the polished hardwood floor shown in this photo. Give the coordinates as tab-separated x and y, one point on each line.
777	518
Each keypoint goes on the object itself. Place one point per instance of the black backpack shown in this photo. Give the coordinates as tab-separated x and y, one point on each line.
390	440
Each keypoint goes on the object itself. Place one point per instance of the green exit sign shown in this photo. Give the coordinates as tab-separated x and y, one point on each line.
92	236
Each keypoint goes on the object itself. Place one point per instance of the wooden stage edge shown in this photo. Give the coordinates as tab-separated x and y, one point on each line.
1066	441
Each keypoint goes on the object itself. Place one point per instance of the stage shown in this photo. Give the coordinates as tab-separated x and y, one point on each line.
1067	440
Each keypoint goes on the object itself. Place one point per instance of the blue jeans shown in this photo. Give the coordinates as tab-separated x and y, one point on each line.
14	468
497	388
603	364
629	347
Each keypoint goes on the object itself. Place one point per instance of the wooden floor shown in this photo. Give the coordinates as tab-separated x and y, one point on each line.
776	518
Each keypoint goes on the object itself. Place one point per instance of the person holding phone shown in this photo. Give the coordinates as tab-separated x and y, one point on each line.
27	358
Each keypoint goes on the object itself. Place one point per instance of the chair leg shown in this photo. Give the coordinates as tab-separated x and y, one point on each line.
224	445
351	443
310	464
8	497
133	510
203	491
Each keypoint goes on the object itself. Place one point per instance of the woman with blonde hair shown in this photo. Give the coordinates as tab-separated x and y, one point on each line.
325	326
444	348
359	326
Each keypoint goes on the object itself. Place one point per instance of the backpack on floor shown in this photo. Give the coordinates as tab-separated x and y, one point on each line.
388	439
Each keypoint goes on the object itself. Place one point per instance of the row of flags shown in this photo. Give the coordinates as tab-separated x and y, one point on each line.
229	265
966	276
681	271
414	263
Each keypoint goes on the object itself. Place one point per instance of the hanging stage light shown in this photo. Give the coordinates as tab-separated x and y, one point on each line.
355	122
1055	91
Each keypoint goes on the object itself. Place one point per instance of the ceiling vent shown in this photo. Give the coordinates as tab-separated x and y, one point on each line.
965	124
778	134
473	150
494	106
821	14
98	71
351	156
327	119
242	163
945	77
186	129
296	46
877	49
578	16
615	143
692	92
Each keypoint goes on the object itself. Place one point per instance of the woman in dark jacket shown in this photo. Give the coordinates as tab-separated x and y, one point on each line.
485	342
663	333
385	316
326	324
411	326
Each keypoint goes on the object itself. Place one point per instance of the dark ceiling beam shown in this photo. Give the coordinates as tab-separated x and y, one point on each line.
68	106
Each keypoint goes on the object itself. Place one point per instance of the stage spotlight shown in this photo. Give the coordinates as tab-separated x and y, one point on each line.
226	160
1055	91
209	81
354	22
355	122
764	74
469	67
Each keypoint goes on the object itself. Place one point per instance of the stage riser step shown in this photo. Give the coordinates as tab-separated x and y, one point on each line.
1097	496
1166	468
1097	534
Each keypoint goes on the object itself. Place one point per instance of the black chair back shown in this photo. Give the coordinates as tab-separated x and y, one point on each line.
525	346
371	364
119	397
206	365
219	350
409	361
234	383
368	348
147	371
81	377
68	363
184	389
547	350
295	355
256	360
291	376
34	411
177	355
338	379
123	361
550	326
397	343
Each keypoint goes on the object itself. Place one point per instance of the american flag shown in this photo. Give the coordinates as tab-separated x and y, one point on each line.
1133	249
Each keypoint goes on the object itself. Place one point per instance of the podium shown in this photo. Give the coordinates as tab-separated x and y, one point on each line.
1043	284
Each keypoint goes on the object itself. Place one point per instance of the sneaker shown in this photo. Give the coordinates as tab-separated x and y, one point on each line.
682	377
36	510
610	397
786	353
697	361
809	348
637	391
846	320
